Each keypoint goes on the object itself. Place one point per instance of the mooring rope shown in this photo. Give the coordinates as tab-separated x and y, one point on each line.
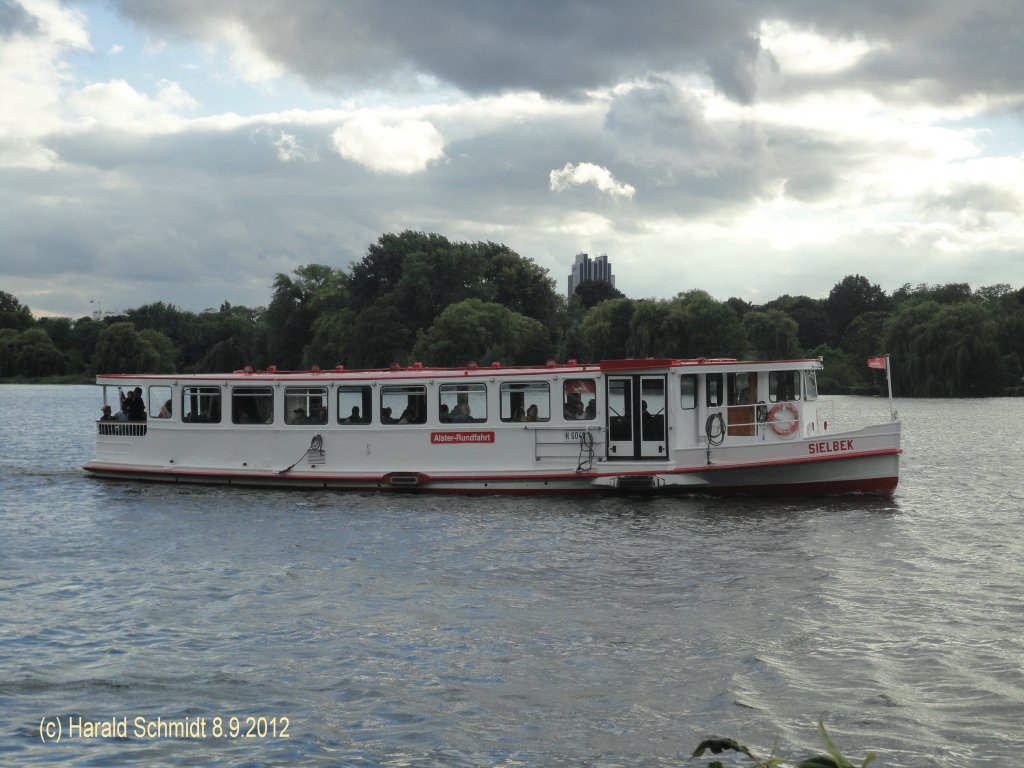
316	444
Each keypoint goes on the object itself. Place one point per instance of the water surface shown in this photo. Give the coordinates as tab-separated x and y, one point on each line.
421	631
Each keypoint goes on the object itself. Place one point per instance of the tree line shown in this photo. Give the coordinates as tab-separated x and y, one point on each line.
420	297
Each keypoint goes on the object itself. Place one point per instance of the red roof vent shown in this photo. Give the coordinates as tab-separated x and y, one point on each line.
471	364
396	367
418	366
271	369
316	369
339	367
551	363
496	364
571	362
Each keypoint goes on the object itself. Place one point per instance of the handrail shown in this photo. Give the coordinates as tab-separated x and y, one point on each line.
121	428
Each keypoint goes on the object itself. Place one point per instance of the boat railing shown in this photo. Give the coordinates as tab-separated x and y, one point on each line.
121	428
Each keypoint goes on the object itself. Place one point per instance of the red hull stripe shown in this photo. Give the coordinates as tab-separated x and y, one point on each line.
870	485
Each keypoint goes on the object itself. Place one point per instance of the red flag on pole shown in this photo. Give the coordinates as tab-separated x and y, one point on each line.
876	362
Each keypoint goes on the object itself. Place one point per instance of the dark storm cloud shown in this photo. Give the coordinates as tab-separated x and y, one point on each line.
558	48
564	48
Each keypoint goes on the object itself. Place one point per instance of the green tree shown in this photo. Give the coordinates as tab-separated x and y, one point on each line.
121	349
13	314
606	329
36	355
814	327
377	274
379	337
647	328
946	350
294	307
699	326
10	343
593	292
474	330
852	296
162	346
773	334
519	284
332	337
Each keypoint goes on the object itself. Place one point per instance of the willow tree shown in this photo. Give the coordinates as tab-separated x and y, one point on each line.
483	332
945	350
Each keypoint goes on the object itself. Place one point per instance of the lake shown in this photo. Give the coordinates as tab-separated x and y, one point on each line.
404	630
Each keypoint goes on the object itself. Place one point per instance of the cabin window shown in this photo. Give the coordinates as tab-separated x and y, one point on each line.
579	399
305	405
714	396
355	405
403	405
200	405
810	385
160	405
742	388
252	405
461	403
783	386
526	401
688	392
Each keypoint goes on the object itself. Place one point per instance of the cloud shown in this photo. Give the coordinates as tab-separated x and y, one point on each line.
587	173
36	36
401	146
118	106
778	148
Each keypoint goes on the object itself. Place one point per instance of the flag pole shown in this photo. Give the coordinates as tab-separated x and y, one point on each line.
888	380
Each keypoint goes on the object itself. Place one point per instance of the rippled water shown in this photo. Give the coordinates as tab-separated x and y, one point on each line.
421	631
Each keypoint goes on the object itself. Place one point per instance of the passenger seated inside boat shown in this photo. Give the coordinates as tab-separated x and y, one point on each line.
573	408
531	413
353	417
298	416
321	415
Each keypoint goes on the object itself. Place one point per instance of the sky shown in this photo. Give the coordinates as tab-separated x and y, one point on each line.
189	151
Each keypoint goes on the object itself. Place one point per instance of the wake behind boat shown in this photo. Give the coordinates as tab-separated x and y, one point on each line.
654	426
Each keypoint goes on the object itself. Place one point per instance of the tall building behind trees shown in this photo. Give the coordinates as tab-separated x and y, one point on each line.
584	268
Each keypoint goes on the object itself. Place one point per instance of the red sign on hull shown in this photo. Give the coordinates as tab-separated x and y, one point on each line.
460	438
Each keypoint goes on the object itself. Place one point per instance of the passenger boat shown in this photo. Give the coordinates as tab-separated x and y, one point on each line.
640	426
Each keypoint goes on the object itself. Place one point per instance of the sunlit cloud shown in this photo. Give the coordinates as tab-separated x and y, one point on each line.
399	147
117	105
804	52
587	173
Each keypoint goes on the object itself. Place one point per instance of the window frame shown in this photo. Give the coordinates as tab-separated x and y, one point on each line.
365	393
409	390
529	389
208	394
247	391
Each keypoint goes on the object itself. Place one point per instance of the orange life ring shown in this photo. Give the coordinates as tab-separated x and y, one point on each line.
785	427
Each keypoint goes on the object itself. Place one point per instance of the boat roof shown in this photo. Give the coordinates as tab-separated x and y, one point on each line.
421	371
